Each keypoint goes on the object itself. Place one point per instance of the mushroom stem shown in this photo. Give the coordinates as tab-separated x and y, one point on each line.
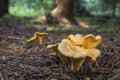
63	58
41	39
76	64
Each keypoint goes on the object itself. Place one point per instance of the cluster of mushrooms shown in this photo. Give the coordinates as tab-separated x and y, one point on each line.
75	49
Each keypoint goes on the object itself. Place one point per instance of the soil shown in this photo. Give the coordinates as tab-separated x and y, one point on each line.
18	62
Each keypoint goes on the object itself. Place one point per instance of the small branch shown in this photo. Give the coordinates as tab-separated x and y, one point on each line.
1	77
15	38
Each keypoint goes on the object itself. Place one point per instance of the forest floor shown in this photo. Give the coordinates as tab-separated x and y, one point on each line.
39	63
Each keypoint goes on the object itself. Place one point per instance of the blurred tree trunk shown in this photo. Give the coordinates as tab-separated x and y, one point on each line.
4	7
63	14
114	6
64	10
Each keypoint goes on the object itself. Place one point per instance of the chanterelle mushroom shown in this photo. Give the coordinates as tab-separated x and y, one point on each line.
77	48
37	38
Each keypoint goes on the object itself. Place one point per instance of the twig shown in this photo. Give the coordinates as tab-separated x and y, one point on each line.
1	77
117	34
15	38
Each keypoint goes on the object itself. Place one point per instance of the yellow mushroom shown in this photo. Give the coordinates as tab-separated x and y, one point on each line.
76	48
76	54
37	38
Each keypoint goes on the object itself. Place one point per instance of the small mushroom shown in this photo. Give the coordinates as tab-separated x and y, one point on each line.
37	38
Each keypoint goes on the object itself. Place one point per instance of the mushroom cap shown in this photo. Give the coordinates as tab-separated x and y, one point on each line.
36	36
66	48
93	53
90	41
77	39
41	34
53	47
80	46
